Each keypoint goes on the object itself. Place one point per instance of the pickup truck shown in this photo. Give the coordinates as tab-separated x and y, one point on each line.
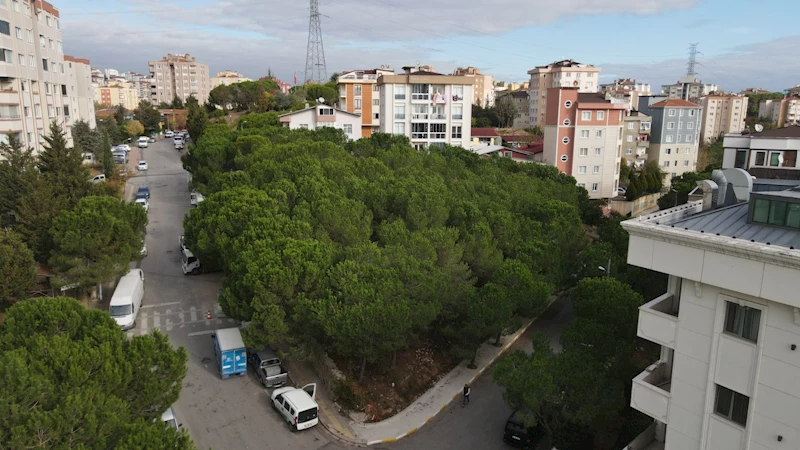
268	367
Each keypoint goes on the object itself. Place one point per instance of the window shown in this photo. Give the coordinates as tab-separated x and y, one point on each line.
400	112
30	34
48	21
582	185
583	152
668	139
598	151
731	405
52	44
44	64
666	163
567	104
326	111
631	126
567	122
596	170
774	159
27	111
458	112
399	92
63	89
15	4
400	128
688	151
24	86
356	103
456	132
691	112
376	88
21	59
584	134
670	125
601	115
595	186
6	56
376	102
598	133
50	111
688	138
46	88
458	93
42	41
680	125
347	128
357	90
586	115
30	135
744	321
5	28
66	111
38	110
672	113
630	138
18	32
679	138
564	158
565	140
581	169
303	126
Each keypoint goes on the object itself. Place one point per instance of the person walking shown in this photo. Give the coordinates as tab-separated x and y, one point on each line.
465	401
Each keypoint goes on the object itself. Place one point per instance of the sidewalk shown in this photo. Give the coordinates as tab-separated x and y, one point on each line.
417	414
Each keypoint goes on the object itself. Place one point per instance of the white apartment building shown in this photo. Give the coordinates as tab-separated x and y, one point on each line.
782	111
566	73
428	107
688	88
359	94
228	77
178	75
314	117
37	85
483	88
722	114
729	321
80	89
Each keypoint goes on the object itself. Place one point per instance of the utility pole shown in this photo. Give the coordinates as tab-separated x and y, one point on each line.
608	272
690	66
315	54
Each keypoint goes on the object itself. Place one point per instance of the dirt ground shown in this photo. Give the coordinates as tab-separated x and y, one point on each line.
387	390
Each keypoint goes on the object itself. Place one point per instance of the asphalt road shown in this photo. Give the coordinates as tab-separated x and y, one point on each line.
218	414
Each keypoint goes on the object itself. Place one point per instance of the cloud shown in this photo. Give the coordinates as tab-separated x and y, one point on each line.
253	35
738	68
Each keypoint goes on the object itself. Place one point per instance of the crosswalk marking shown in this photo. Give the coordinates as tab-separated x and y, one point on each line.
156	320
160	304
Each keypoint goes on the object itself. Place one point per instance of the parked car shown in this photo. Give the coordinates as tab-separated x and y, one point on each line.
142	165
143	203
168	133
151	139
125	147
98	178
142	142
297	406
269	369
182	243
520	436
143	192
168	417
144	248
127	299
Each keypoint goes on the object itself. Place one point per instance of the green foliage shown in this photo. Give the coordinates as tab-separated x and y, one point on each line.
133	128
753	101
177	103
17	268
119	115
247	95
713	155
96	240
63	168
109	126
485	117
680	188
71	378
148	116
18	178
590	211
648	180
196	119
316	91
535	131
106	157
506	110
84	138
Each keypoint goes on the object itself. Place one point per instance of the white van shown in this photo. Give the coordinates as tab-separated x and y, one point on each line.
127	299
142	142
297	406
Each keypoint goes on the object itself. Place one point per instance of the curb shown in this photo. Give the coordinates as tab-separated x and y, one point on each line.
508	345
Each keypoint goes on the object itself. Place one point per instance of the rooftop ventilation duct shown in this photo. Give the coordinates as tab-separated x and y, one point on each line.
709	193
740	182
722	189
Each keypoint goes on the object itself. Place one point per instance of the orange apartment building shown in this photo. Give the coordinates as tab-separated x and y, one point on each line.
359	94
583	138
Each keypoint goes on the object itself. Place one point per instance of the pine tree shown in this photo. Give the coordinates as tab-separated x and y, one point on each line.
63	168
107	157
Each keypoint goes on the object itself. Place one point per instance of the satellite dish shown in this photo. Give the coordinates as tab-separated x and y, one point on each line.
759	128
382	66
321	100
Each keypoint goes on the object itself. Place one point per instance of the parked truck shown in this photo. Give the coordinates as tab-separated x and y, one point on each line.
195	198
230	352
269	369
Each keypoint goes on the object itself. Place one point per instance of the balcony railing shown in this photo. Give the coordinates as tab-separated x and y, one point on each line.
399	116
438	116
9	116
360	77
419	117
420	96
658	320
650	393
419	135
438	135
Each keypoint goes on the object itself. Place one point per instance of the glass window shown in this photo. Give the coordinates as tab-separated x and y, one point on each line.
598	133
793	215
774	159
399	92
581	169
601	115
742	321
400	112
741	158
595	186
400	128
596	170
584	133
586	115
5	28
732	405
760	210
357	103
347	128
760	158
356	89
598	151
777	213
458	112
584	152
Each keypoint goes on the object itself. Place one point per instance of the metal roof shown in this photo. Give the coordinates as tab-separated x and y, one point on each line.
731	221
230	339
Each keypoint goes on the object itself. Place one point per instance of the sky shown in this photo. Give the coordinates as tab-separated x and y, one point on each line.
742	43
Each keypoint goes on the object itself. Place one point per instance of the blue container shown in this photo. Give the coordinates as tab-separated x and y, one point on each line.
230	352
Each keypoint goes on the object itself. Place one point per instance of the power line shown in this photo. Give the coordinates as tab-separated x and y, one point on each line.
315	52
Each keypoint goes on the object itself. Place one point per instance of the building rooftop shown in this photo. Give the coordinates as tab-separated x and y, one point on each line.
674	103
785	132
590	97
485	132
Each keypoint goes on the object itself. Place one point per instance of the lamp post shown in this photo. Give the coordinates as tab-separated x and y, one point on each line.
606	270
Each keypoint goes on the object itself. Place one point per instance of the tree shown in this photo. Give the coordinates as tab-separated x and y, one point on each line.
62	167
220	96
506	111
96	241
17	268
105	155
148	116
177	103
35	215
109	126
18	178
680	188
590	211
316	91
119	115
84	137
73	379
196	119
134	128
164	105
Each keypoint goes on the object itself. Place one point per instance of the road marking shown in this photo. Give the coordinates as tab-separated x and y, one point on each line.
193	314
161	304
156	320
144	323
200	333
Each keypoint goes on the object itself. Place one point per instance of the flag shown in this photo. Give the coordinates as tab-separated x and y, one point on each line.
295	78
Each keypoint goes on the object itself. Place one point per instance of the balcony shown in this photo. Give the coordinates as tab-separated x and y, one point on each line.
400	116
438	116
650	393
438	135
658	320
419	116
648	439
419	135
420	96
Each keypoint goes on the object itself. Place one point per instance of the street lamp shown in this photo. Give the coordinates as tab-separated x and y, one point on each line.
607	271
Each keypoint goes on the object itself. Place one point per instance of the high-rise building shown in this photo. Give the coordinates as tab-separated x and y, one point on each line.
636	138
626	90
428	107
728	323
359	94
38	85
782	111
722	114
227	77
178	75
566	73
483	87
675	133
583	139
80	90
688	88
118	93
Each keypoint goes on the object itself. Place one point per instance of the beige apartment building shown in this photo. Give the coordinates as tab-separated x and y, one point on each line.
178	75
484	86
722	114
626	90
566	73
636	138
359	94
118	93
38	84
781	112
227	77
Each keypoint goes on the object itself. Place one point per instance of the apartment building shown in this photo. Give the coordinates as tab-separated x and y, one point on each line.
782	111
583	139
728	323
483	88
80	90
227	78
118	93
566	73
37	86
359	94
626	90
522	102
675	133
753	91
428	107
722	114
688	88
793	90
636	138
178	75
769	154
314	117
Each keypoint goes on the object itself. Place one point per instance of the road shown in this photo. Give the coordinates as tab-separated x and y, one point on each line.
218	414
480	425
